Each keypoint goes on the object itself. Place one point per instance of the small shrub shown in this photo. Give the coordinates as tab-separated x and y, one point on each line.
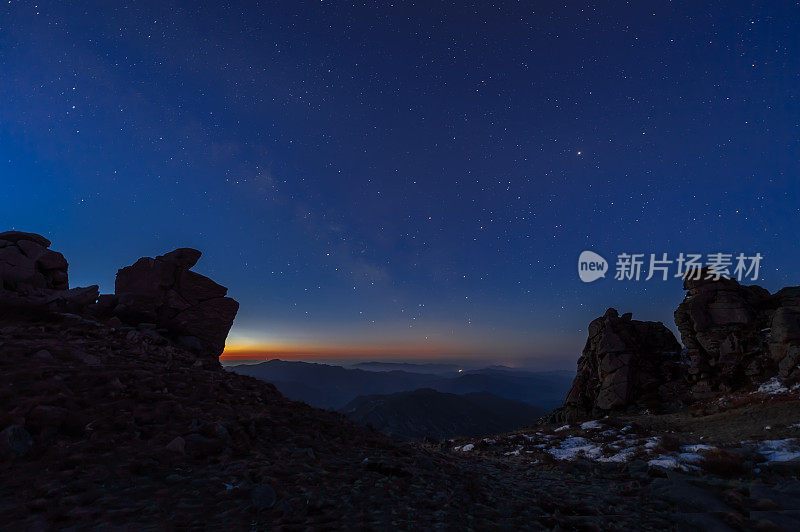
670	443
723	463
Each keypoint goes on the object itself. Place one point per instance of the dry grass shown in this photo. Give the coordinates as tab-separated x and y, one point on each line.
669	443
723	463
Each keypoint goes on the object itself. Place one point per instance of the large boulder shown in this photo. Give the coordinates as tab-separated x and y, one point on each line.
626	363
27	263
35	277
737	335
163	291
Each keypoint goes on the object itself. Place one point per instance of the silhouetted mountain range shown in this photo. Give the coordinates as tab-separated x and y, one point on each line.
328	386
428	413
439	369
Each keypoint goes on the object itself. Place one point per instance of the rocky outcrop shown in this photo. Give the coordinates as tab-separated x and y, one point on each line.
734	336
26	263
35	277
164	291
160	296
626	363
737	335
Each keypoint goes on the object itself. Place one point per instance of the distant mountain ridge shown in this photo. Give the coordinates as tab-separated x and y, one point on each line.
424	413
328	386
407	366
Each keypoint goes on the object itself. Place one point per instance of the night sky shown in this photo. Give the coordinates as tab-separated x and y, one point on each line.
405	180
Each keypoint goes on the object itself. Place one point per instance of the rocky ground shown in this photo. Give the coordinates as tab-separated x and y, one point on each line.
118	427
729	464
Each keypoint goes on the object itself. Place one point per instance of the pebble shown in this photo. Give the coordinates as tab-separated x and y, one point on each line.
263	496
178	445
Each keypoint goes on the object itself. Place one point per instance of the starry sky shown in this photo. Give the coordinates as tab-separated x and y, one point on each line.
405	180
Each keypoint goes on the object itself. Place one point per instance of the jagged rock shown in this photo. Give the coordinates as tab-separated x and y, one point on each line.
733	335
163	291
54	262
34	277
75	300
182	257
160	290
105	305
80	297
26	263
736	335
625	363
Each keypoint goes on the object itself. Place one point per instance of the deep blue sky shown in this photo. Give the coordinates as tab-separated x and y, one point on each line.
405	178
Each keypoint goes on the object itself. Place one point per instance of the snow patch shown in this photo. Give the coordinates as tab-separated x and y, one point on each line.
780	450
574	447
666	462
697	447
622	456
690	458
772	387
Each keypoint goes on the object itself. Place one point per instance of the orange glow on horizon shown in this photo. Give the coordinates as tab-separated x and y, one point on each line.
254	352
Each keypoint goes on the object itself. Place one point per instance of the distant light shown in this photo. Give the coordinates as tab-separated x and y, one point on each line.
461	371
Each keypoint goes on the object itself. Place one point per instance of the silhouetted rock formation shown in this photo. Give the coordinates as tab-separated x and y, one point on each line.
35	277
165	292
736	335
26	262
161	296
625	362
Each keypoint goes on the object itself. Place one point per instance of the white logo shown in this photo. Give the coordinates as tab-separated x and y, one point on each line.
591	266
634	266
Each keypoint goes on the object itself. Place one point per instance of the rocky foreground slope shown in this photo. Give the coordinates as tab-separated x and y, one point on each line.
114	427
109	422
